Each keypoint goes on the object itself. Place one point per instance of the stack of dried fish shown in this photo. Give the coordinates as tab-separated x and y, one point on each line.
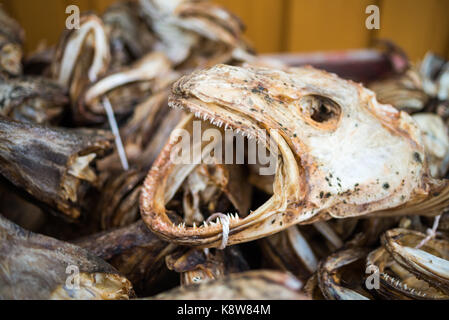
423	91
89	128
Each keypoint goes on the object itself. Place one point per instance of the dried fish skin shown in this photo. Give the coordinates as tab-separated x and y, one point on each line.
290	251
331	280
118	203
128	34
73	43
51	164
133	250
381	171
188	28
81	58
18	210
32	99
250	285
11	41
34	266
404	92
430	262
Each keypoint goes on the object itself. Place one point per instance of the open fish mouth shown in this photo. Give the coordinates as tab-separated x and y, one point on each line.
339	152
408	272
209	233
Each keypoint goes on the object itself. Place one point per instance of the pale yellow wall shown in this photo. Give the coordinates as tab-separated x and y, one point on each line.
286	25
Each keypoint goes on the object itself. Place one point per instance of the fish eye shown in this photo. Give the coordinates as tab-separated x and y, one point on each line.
320	110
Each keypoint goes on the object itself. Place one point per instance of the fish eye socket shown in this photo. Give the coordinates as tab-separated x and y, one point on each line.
320	110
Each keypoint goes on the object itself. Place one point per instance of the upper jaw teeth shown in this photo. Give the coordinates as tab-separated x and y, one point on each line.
218	222
218	123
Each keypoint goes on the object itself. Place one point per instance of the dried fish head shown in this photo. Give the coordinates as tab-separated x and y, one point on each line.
251	285
429	263
339	152
336	283
396	282
34	266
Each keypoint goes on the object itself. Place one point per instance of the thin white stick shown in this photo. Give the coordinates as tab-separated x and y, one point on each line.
116	132
431	233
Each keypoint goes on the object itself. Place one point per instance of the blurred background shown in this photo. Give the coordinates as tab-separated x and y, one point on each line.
284	25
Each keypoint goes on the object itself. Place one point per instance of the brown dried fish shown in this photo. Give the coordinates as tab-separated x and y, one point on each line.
34	266
53	165
136	252
254	285
337	282
289	250
405	91
198	31
128	87
33	99
118	203
128	34
11	41
82	57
